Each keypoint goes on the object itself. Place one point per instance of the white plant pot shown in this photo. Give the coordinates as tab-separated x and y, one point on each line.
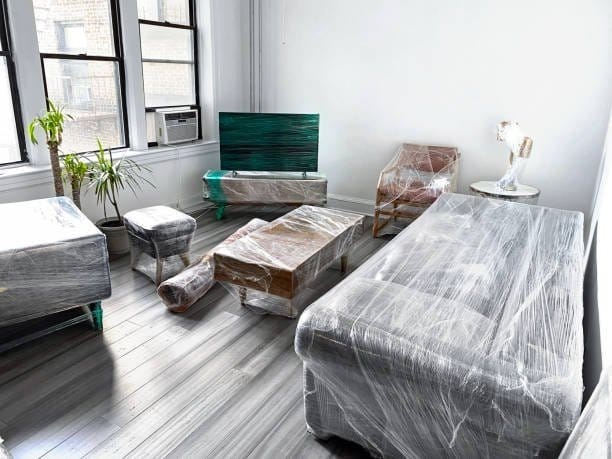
116	236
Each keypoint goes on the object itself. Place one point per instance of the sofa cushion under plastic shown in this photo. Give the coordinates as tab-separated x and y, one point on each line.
417	347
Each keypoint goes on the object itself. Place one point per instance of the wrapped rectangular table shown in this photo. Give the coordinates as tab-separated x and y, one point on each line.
462	337
283	257
52	258
225	187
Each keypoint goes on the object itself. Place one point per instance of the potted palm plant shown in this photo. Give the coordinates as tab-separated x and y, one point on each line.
107	177
74	172
52	124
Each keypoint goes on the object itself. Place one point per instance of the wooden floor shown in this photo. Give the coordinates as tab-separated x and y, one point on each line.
217	381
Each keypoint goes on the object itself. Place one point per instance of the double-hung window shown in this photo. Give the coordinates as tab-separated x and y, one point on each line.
80	46
168	42
12	145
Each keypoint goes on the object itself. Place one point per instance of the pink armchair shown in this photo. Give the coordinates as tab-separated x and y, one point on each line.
416	176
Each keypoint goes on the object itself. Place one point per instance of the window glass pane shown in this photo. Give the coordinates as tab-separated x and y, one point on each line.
175	11
74	27
9	144
90	92
166	43
168	84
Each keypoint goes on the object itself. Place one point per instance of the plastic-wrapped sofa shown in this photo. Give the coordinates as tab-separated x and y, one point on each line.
52	258
462	337
592	436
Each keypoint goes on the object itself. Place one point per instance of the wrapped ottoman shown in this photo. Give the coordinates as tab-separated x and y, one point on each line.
52	258
462	337
160	240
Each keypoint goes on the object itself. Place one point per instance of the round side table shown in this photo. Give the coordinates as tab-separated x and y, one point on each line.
524	193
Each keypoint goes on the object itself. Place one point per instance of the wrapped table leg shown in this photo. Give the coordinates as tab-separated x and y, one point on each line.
181	291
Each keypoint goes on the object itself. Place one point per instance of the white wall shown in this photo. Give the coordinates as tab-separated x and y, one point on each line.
231	38
446	72
177	180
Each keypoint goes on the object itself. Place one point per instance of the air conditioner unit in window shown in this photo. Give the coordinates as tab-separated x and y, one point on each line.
176	126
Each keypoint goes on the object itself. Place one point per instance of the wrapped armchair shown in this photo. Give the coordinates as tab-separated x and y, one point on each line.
416	176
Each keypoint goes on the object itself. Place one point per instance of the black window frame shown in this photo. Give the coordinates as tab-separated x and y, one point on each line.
193	26
7	53
117	58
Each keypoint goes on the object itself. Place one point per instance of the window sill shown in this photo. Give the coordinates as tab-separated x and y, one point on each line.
166	152
30	174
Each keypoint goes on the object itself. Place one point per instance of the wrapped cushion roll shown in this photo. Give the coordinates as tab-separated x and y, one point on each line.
180	292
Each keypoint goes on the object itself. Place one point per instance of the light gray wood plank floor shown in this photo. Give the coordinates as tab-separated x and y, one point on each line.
217	381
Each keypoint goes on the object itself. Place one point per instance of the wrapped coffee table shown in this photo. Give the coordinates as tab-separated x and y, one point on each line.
270	268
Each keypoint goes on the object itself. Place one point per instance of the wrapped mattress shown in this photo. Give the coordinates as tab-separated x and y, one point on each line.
462	337
52	258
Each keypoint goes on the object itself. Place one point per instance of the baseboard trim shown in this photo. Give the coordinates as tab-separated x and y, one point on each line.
351	203
193	204
334	201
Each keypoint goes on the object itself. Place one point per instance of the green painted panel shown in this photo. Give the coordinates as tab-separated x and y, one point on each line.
269	142
213	181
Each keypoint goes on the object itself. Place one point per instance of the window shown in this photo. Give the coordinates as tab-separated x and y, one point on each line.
81	55
12	146
169	49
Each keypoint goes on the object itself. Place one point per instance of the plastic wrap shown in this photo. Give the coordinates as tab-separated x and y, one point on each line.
520	150
462	337
269	269
160	239
180	292
415	177
592	437
523	193
223	187
52	258
509	181
4	452
269	141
